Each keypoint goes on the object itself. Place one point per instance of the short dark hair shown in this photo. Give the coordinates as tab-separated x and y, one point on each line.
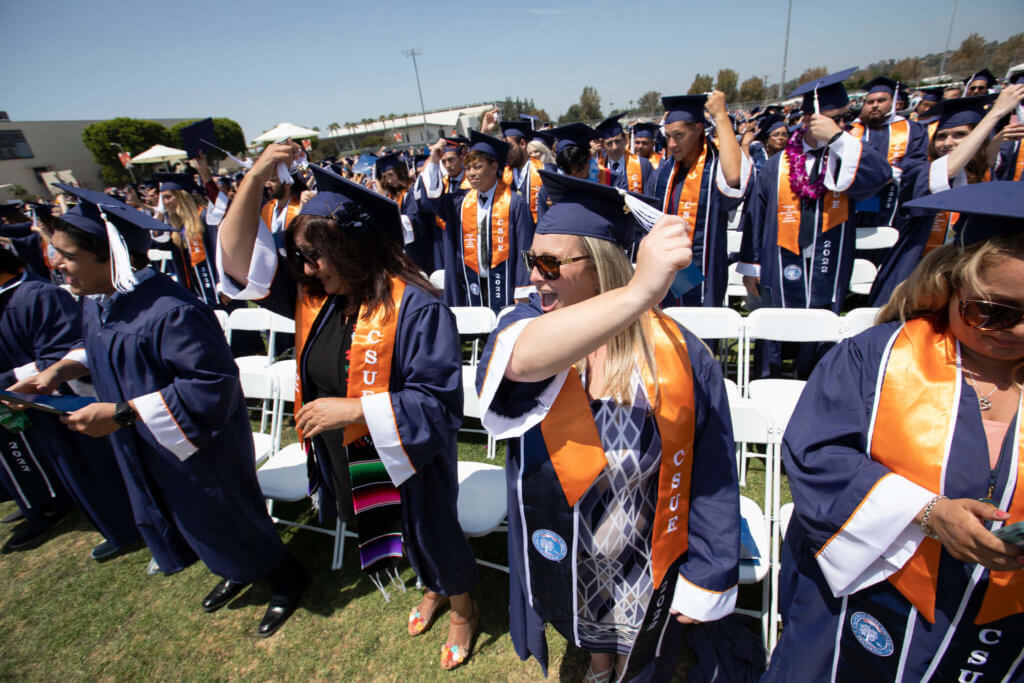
476	155
95	245
572	157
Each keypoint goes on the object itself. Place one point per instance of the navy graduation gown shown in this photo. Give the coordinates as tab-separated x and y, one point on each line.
201	278
707	572
855	169
39	324
620	179
852	528
1009	156
413	426
188	461
884	208
421	249
710	244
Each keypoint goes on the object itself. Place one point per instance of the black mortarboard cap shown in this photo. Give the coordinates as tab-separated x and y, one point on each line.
990	209
572	134
199	136
588	209
491	146
335	194
830	91
684	108
961	111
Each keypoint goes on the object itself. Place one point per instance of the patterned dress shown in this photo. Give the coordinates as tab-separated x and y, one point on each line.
613	578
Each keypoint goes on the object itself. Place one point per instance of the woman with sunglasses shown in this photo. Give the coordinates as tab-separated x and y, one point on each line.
958	154
379	400
623	499
905	461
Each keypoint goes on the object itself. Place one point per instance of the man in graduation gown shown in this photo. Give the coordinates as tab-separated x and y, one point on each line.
170	399
620	167
798	232
644	137
39	325
702	182
1010	164
485	231
284	202
552	465
903	143
978	83
866	595
520	173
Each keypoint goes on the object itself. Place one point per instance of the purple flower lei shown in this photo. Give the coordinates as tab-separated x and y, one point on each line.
798	181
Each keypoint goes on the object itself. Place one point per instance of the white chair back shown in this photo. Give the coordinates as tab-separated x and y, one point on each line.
794	325
858	320
876	238
863	276
476	321
708	323
437	279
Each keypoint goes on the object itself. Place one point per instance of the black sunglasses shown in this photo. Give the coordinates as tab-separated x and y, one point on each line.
547	265
303	257
988	315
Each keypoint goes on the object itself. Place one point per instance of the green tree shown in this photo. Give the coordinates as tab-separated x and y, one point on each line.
812	74
373	141
650	103
134	135
970	56
571	115
702	83
752	90
590	104
726	82
229	137
1008	53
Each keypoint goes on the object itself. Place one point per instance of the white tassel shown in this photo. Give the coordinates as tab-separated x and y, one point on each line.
380	586
645	214
120	261
160	210
396	580
895	99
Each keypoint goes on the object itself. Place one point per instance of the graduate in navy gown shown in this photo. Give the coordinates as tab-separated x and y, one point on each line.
798	228
170	399
623	168
572	156
484	231
904	456
702	181
957	156
520	172
1010	164
39	325
195	233
380	381
622	491
418	224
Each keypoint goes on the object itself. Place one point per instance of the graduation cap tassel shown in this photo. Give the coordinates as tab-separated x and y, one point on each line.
120	261
895	99
375	578
396	580
645	214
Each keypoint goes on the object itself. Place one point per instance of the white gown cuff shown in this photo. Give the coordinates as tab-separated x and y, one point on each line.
216	210
154	413
380	420
734	192
432	180
523	293
878	539
501	426
26	370
847	150
701	604
938	176
262	268
78	356
751	269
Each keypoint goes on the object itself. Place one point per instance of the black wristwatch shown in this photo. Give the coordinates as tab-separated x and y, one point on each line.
124	414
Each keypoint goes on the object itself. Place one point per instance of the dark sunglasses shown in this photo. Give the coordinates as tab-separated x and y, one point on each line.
303	257
988	315
547	265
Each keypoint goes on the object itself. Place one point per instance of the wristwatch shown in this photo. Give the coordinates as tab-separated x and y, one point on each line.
124	414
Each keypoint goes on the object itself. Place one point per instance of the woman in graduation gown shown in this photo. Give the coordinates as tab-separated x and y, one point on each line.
622	489
957	155
380	380
43	464
904	455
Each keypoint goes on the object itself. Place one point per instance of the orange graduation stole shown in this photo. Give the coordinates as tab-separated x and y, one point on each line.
634	174
534	184
464	185
689	196
501	204
1018	169
943	223
916	410
655	159
268	210
835	205
575	450
899	138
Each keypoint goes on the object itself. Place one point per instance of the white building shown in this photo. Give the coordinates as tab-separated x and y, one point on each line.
407	130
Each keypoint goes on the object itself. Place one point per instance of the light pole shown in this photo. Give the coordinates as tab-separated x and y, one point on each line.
414	52
129	167
785	50
942	67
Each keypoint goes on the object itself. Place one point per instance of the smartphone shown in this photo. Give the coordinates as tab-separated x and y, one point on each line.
1013	533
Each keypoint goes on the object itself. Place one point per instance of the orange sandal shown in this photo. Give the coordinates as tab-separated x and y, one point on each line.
454	656
417	624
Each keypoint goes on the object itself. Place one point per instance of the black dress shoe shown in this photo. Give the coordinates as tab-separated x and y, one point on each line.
26	538
15	516
223	593
283	605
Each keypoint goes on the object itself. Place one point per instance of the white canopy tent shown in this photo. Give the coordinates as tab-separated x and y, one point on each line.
158	154
286	131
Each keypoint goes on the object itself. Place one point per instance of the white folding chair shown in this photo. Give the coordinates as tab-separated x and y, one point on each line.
858	320
284	373
265	322
437	279
735	288
222	318
789	325
777	397
876	238
863	276
712	323
283	477
262	386
476	321
482	502
471	407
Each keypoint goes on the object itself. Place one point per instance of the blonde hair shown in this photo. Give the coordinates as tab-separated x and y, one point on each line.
185	215
631	345
545	154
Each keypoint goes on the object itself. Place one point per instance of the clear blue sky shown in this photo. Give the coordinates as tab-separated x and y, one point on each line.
311	63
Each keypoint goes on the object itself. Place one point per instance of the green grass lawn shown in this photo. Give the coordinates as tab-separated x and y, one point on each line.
63	616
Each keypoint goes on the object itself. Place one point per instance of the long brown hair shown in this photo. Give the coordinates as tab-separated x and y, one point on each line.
365	257
975	168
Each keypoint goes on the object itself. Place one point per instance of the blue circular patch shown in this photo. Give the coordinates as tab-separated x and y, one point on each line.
549	544
792	272
870	633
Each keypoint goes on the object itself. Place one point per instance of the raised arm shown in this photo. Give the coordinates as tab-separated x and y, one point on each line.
237	233
1009	97
729	154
